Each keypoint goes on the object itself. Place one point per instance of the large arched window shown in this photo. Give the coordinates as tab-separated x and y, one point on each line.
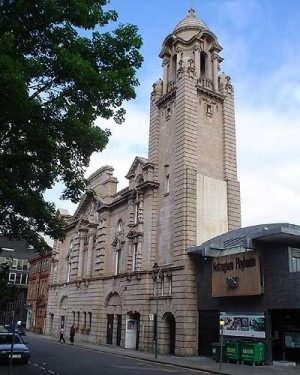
174	68
203	63
118	244
120	226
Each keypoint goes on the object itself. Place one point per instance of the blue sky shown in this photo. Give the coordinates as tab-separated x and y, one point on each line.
260	40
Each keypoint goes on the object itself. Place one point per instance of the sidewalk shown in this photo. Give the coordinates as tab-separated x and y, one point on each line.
194	363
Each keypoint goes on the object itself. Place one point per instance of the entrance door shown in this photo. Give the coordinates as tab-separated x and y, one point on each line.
51	324
119	329
285	335
131	334
208	331
110	329
172	324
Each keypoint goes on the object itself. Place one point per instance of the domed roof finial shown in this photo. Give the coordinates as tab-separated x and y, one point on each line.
190	21
191	12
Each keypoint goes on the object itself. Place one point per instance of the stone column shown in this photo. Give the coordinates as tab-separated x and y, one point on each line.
215	71
82	235
197	62
209	67
165	75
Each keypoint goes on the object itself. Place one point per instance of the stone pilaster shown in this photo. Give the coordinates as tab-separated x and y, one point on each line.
230	162
154	143
184	215
185	160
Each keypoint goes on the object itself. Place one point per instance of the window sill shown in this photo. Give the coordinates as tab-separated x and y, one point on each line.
167	296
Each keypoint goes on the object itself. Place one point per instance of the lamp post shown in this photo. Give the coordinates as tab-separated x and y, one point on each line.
157	274
221	341
12	344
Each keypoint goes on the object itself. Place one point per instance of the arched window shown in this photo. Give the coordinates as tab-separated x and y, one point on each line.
174	68
120	226
203	62
134	256
136	212
117	261
69	260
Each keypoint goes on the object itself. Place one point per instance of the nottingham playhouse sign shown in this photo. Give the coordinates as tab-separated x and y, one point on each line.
236	275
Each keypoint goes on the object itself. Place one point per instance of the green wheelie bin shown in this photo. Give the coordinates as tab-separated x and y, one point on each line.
216	352
233	351
253	352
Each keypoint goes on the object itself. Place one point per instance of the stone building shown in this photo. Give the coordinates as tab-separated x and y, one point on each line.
122	275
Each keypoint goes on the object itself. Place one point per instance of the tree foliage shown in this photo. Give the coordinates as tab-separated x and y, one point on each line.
59	71
8	292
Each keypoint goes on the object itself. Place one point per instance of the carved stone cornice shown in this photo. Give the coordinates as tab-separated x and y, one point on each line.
210	93
166	97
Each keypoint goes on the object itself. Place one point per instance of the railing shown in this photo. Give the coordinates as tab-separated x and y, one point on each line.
206	83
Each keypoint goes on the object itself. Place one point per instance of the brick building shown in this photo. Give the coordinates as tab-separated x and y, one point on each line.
37	296
122	275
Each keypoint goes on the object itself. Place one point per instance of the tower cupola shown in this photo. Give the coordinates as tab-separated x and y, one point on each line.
190	22
194	48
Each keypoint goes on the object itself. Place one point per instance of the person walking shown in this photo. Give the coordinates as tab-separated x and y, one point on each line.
61	335
72	334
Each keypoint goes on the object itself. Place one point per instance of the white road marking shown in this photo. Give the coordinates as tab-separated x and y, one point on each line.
147	368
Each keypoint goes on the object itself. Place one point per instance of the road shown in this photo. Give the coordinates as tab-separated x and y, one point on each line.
52	358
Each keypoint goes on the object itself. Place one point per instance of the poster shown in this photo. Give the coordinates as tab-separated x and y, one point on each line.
244	324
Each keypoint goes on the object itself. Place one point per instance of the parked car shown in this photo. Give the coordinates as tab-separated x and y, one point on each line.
19	329
21	352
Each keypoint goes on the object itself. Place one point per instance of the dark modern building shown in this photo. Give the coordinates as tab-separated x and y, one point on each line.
250	278
17	253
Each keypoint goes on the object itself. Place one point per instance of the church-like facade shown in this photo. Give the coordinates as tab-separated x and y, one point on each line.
122	275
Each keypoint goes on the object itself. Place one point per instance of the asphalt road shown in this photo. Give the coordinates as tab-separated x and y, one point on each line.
52	358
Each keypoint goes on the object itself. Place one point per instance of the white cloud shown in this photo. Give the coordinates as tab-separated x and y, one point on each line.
269	171
267	111
127	141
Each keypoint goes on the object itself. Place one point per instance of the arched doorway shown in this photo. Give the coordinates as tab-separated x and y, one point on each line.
114	319
168	333
63	307
132	334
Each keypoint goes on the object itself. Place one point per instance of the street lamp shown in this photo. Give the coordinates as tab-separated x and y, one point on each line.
12	344
222	323
157	276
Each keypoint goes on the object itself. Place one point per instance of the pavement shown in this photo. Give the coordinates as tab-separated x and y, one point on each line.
200	363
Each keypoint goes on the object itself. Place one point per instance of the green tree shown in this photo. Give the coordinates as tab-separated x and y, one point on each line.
59	71
8	292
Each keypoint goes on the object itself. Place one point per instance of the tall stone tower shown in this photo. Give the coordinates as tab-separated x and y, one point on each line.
192	145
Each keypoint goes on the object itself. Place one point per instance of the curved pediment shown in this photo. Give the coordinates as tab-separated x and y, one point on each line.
136	167
133	234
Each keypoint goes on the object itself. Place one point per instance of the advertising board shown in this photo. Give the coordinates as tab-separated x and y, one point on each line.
244	324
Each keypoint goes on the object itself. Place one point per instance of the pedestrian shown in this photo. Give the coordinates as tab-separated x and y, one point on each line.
72	334
61	335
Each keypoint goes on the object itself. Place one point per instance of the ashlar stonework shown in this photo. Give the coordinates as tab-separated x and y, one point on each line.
124	257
